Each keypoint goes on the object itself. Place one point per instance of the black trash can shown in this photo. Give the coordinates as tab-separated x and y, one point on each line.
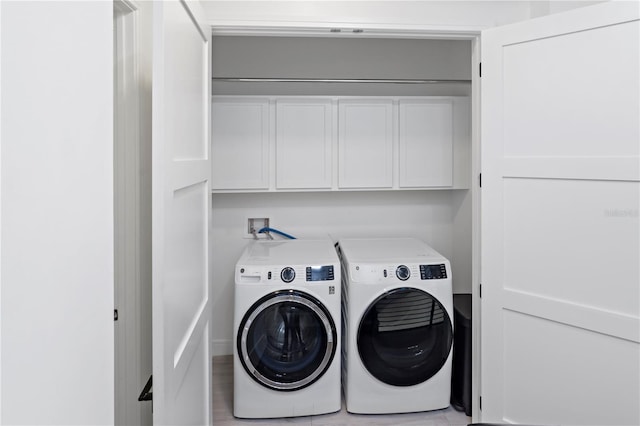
461	369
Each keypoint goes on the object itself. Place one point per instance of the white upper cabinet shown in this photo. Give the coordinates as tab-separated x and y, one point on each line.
240	143
303	143
365	143
425	143
332	143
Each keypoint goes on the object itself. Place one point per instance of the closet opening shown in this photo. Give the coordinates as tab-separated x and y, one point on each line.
264	84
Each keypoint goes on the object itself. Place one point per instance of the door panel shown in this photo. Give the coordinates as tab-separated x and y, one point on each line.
586	76
591	371
181	193
560	225
538	212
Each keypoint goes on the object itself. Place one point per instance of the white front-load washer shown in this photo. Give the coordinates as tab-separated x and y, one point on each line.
287	329
397	326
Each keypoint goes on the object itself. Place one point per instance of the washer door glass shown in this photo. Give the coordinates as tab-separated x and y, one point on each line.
405	337
287	340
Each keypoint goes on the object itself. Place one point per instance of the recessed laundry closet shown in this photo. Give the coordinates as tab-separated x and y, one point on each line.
144	171
387	151
337	138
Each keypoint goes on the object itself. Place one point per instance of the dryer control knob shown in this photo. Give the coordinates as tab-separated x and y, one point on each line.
403	273
288	274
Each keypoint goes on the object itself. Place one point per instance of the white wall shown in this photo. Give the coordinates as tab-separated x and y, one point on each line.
322	57
341	58
450	15
549	7
428	215
56	311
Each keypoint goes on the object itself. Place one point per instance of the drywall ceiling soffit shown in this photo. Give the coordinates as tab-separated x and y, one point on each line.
405	19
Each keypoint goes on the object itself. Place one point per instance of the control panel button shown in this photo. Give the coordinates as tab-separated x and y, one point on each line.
288	274
403	273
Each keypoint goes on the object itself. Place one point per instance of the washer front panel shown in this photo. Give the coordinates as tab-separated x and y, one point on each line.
287	340
405	337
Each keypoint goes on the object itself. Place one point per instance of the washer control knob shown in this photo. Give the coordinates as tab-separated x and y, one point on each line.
403	273
288	274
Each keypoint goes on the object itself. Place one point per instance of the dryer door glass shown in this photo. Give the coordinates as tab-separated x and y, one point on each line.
287	340
405	337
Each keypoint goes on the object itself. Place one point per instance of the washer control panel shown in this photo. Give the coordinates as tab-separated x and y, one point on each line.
433	272
295	274
312	273
320	273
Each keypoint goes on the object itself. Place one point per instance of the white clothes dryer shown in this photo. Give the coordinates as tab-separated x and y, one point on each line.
287	329
397	326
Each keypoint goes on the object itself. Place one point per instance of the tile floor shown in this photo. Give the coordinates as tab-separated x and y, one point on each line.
223	409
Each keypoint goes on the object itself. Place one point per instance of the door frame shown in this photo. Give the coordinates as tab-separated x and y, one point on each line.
412	32
128	260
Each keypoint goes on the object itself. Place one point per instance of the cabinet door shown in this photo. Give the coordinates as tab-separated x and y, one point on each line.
240	143
426	143
303	144
365	143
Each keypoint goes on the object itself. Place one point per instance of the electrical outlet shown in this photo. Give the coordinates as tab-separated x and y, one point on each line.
254	224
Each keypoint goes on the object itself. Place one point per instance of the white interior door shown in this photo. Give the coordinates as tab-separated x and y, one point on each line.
181	194
560	227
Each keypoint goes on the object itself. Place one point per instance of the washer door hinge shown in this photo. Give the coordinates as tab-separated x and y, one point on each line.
115	315
480	179
480	290
480	405
480	69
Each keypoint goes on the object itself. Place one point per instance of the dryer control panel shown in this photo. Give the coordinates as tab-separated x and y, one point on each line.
433	272
409	272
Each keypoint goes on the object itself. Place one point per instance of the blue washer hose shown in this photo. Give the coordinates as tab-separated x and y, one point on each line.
275	231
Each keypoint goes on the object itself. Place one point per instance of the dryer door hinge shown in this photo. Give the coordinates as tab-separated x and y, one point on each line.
480	291
480	180
115	315
480	404
480	69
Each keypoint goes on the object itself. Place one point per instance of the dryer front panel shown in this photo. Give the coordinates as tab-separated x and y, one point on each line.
287	340
405	337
